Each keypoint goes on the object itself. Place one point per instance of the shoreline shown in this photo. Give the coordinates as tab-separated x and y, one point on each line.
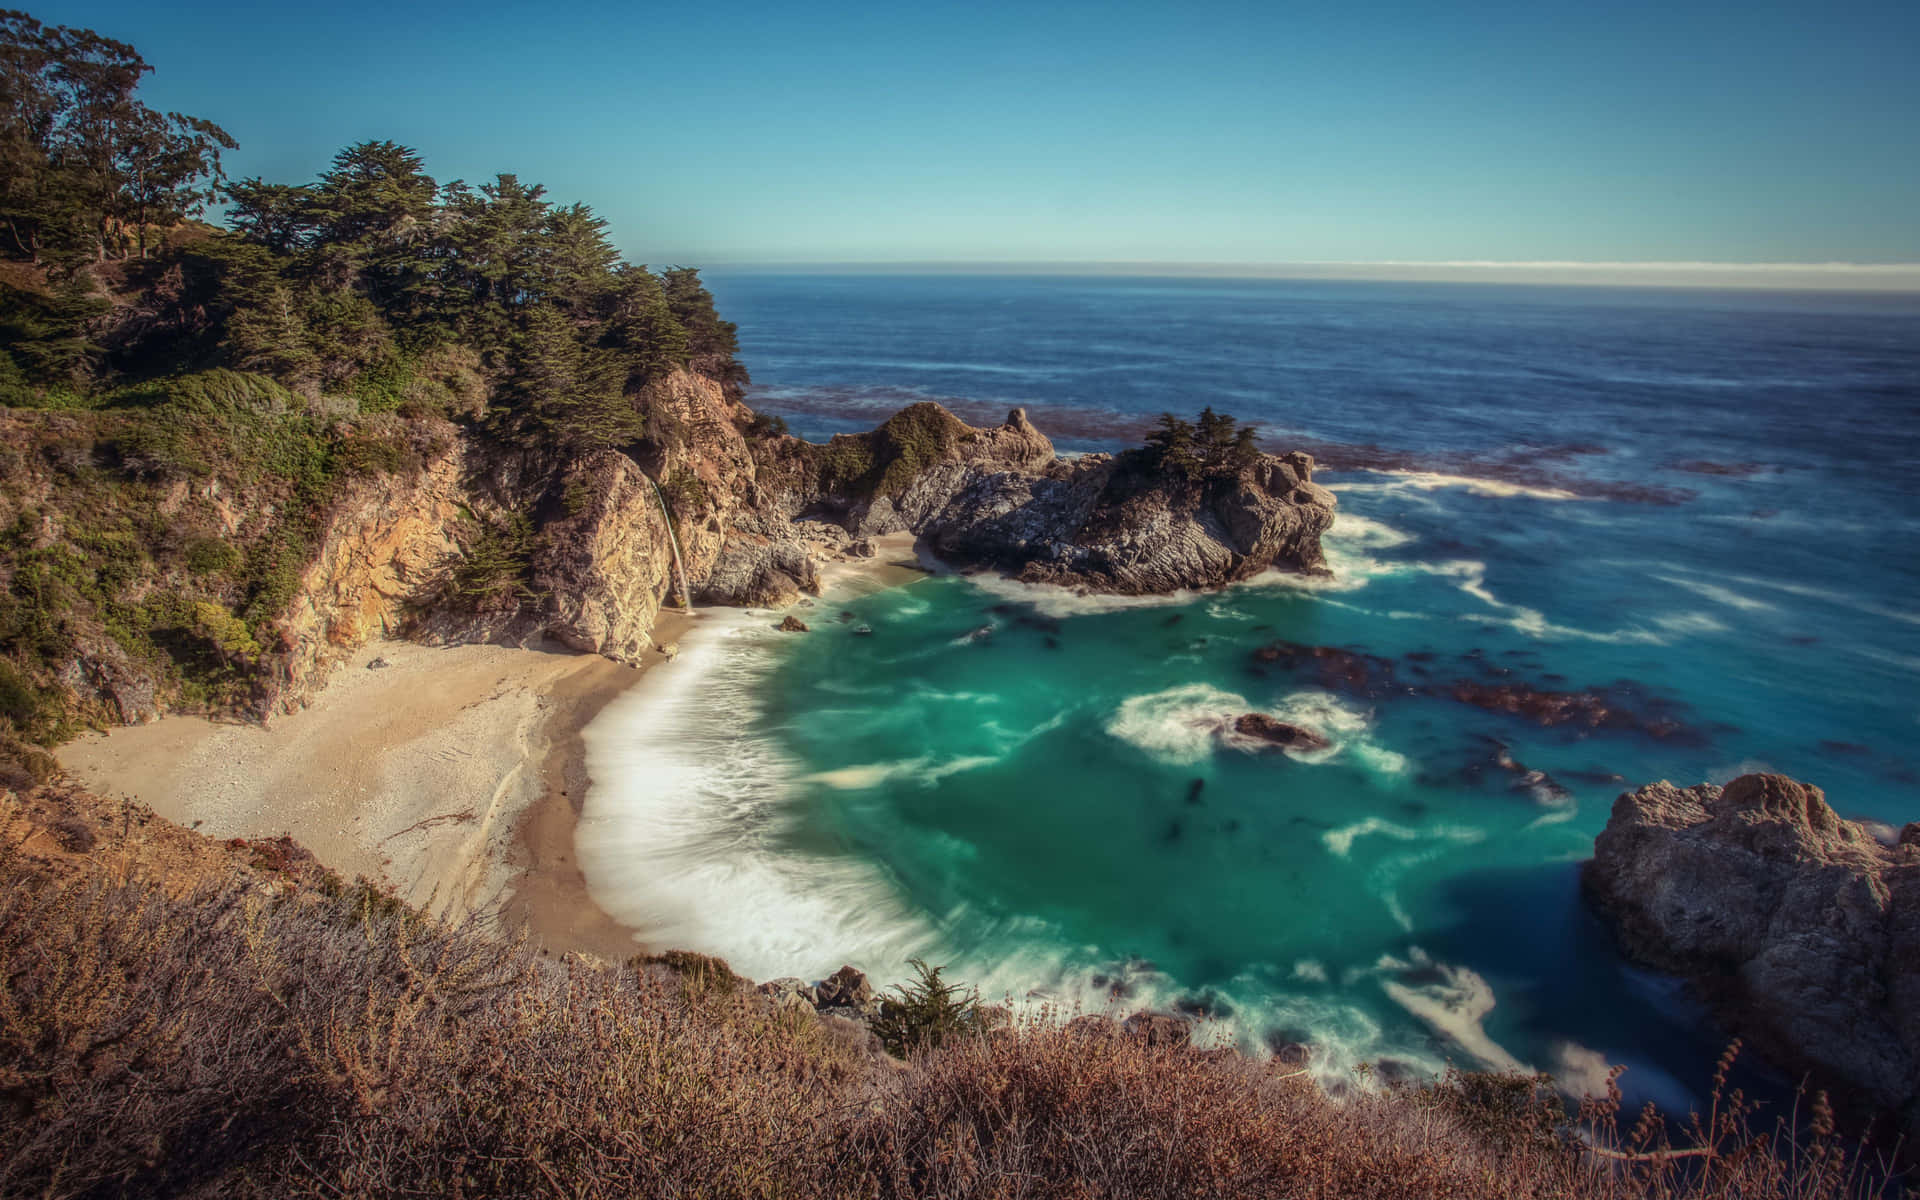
566	887
457	775
419	773
548	896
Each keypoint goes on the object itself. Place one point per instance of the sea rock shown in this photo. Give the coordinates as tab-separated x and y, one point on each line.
1002	498
793	624
1799	929
1274	732
1109	524
1591	709
845	988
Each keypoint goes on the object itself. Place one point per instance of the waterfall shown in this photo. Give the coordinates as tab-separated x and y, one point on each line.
673	539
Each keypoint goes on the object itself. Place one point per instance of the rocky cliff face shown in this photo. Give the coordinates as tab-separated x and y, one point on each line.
755	516
388	539
1800	928
1002	498
583	551
1102	524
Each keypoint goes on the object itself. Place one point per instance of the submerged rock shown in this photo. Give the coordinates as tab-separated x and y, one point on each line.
1796	926
1591	709
1334	668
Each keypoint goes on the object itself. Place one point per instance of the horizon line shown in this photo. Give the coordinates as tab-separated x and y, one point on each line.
1819	276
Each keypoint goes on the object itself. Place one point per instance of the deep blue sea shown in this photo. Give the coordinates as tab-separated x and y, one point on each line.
1707	503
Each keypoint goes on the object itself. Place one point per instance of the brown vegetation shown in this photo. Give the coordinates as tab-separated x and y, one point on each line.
259	1035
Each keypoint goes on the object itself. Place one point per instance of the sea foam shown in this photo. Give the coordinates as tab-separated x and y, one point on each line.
683	835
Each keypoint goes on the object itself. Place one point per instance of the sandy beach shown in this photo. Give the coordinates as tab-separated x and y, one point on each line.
454	774
428	773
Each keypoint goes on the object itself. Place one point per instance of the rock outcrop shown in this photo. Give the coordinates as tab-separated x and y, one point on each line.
462	539
606	566
1283	735
1799	928
1001	498
386	540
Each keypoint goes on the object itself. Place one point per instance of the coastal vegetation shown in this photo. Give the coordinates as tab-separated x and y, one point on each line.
256	1027
186	411
183	406
1211	447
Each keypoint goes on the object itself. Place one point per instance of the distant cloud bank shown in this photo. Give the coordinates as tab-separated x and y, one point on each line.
1832	276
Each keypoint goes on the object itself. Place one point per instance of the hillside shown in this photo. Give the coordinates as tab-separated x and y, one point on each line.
184	1017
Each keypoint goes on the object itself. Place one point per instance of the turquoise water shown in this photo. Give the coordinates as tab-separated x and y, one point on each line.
1042	790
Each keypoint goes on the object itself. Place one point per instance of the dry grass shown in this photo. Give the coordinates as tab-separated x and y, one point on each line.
256	1039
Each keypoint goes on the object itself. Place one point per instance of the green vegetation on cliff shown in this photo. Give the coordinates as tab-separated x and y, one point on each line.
886	460
184	405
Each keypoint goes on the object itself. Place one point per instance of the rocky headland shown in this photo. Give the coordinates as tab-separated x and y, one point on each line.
477	544
1800	929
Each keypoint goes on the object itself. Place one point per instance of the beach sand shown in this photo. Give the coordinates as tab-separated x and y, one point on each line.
418	773
454	774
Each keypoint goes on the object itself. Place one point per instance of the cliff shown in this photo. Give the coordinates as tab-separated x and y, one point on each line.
1799	928
263	572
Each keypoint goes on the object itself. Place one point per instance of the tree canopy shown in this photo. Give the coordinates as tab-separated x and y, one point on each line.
86	169
343	286
1213	446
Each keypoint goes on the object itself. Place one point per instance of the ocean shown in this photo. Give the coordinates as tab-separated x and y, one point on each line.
1704	504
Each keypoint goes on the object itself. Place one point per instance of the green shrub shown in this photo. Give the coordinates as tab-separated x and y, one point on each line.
926	1012
230	424
492	574
385	385
765	424
26	707
212	556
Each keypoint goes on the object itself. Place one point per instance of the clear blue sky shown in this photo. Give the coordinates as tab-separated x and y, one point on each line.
1220	132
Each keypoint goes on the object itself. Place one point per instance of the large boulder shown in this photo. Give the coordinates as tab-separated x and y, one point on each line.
1800	929
845	988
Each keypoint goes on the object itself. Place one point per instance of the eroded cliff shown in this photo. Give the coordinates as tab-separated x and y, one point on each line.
451	537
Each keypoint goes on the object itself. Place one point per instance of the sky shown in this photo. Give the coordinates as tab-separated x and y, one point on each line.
1413	131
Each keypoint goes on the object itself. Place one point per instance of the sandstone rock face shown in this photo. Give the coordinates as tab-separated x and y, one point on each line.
607	567
1799	927
388	538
